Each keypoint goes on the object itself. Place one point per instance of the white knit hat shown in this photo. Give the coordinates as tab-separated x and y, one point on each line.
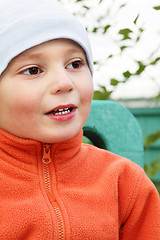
27	23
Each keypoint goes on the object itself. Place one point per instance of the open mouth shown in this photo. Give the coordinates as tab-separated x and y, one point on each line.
61	111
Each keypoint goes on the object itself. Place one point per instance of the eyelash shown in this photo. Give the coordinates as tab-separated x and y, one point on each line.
35	70
80	63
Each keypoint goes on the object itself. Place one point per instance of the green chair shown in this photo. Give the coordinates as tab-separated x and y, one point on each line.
111	126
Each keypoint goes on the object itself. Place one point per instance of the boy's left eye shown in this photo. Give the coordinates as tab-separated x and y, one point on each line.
31	71
75	64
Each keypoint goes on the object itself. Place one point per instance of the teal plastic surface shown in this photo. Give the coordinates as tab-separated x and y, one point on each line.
111	126
149	121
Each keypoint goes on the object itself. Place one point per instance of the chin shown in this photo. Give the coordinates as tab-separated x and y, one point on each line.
57	139
56	135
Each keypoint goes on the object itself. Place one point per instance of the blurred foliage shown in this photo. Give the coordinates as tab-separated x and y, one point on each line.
102	94
154	167
151	139
157	8
157	184
126	38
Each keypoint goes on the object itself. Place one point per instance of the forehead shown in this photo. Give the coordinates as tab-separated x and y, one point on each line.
65	45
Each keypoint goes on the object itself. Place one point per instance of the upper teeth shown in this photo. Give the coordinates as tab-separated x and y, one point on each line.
62	111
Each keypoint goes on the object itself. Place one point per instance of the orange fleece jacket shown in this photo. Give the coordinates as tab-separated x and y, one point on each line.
73	191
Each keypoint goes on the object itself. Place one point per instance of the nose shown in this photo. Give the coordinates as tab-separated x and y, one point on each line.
61	83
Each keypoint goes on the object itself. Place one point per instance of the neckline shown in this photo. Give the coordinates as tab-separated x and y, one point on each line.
27	151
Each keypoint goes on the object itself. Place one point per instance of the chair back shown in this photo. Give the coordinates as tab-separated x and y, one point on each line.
111	126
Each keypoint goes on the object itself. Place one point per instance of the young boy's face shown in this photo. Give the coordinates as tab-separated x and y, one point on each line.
46	92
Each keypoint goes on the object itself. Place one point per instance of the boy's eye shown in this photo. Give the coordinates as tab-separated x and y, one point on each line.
31	71
75	65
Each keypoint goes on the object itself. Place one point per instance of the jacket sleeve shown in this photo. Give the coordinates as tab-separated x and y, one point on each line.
141	220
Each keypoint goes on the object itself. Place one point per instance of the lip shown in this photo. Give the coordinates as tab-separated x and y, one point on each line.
63	117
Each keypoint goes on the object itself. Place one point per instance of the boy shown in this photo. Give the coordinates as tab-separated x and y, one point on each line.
52	185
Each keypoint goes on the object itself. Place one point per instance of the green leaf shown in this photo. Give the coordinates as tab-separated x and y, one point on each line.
141	68
95	30
123	47
135	21
151	139
123	5
86	7
138	38
125	33
156	7
110	56
127	74
103	94
155	61
114	82
95	62
106	28
141	30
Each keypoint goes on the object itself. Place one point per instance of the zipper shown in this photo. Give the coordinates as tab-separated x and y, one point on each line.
46	160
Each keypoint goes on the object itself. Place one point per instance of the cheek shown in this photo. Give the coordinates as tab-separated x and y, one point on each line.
86	91
86	95
19	105
23	102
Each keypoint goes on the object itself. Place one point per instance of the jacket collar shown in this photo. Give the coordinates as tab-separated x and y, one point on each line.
18	151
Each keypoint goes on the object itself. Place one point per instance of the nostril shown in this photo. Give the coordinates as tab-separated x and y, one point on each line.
58	91
71	89
65	89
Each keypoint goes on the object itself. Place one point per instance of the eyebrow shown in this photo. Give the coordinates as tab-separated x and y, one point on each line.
31	55
76	50
71	50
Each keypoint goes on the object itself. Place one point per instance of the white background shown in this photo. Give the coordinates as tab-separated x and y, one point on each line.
147	84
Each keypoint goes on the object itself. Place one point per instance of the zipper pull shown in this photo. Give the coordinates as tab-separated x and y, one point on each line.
46	153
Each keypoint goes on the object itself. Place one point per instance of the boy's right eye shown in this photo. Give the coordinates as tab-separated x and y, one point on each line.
31	71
